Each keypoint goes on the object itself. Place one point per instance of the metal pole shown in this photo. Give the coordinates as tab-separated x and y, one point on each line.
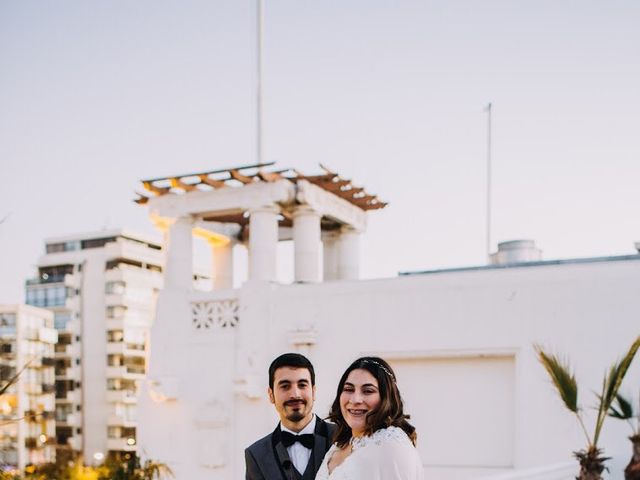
488	110
259	27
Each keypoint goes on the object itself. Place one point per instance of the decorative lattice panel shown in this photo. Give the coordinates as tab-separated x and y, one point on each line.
219	314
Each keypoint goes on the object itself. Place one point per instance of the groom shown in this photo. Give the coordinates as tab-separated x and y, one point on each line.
295	449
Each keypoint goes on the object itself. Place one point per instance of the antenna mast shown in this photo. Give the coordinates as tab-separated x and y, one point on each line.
488	110
259	27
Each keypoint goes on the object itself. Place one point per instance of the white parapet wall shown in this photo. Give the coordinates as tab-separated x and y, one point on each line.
461	343
558	471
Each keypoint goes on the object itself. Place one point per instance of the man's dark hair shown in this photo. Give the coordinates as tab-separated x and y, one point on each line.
293	360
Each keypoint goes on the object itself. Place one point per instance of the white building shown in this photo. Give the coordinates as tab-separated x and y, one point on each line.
460	340
27	408
102	289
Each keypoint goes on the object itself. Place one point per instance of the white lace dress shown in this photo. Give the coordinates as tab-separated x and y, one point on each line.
388	454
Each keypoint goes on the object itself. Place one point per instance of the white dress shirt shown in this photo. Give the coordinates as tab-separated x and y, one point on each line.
298	453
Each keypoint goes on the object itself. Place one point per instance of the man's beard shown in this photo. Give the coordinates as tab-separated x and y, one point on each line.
296	416
299	414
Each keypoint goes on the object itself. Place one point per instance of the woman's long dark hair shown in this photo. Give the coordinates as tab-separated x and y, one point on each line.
389	412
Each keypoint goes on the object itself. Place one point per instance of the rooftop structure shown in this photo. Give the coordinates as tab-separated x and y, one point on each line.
259	206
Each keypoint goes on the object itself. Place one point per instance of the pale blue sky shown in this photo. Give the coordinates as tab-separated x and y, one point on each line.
96	95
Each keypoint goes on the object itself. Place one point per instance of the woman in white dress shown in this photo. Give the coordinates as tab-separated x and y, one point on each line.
373	440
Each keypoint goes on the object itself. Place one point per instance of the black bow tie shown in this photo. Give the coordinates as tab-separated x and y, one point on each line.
289	439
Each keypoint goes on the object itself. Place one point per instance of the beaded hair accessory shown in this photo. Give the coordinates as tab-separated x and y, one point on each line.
382	367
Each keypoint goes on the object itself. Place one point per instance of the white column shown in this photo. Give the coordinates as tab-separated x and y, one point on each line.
330	256
263	243
307	244
179	255
222	265
349	254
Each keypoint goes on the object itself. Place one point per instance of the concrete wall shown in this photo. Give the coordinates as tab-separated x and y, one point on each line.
460	341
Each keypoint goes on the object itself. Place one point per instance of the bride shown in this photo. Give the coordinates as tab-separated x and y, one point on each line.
373	440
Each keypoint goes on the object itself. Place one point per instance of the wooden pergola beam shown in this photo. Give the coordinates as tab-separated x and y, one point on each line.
204	178
178	183
336	186
142	199
270	176
211	172
235	174
317	179
153	189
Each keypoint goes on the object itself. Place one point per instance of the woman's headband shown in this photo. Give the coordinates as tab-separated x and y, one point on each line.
381	366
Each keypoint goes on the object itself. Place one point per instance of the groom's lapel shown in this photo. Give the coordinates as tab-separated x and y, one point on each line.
321	443
281	456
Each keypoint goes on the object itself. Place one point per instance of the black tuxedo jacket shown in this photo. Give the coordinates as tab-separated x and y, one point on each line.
267	459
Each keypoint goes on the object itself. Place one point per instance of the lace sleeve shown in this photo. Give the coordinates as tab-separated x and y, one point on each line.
390	455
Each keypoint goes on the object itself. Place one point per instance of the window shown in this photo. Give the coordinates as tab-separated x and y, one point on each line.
7	324
115	336
55	247
117	287
60	320
96	242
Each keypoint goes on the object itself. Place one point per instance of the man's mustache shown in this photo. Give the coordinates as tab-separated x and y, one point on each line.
290	402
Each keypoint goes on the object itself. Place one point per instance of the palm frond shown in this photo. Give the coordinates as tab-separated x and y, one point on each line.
611	385
562	378
624	410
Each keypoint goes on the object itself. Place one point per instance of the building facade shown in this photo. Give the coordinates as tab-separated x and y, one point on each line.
101	288
460	340
27	406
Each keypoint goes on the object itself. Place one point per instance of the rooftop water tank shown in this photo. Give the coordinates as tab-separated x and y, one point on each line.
516	251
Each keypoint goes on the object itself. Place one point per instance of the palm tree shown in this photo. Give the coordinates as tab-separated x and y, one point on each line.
131	469
623	410
151	470
591	459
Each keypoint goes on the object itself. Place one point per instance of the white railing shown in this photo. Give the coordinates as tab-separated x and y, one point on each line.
558	471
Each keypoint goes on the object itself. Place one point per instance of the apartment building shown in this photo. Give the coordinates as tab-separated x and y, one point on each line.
27	407
101	288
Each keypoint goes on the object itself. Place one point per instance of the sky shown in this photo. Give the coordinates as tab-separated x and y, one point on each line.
95	96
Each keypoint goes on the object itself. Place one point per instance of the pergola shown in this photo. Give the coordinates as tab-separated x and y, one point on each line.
264	204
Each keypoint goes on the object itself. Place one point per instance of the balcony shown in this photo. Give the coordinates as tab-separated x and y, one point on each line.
48	361
115	300
122	348
75	442
131	372
48	335
44	281
120	421
74	373
73	303
71	420
68	396
115	348
72	281
115	323
122	396
120	444
32	388
48	388
136	251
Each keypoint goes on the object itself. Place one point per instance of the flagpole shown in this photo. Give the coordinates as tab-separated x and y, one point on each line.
488	110
259	28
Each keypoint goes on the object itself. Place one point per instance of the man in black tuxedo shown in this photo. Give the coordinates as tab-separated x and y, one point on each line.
296	448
